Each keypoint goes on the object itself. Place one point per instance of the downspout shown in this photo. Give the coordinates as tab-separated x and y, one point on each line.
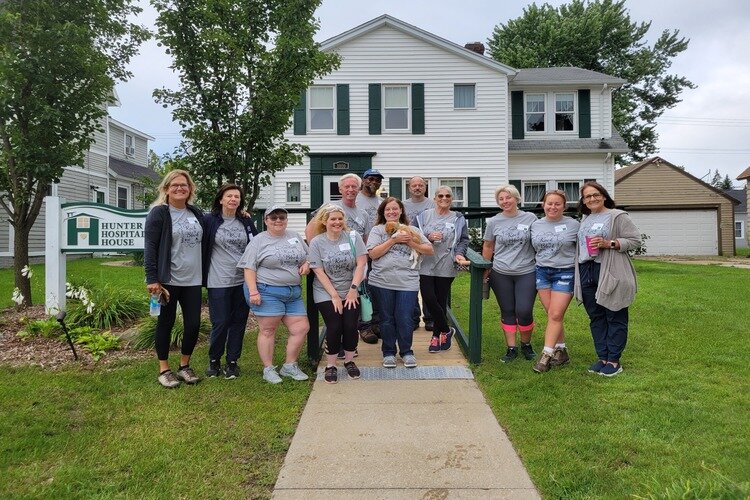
601	112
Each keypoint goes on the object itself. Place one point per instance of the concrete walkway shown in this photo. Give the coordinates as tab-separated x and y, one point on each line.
427	439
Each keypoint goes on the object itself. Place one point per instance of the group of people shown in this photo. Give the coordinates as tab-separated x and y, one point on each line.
390	251
559	258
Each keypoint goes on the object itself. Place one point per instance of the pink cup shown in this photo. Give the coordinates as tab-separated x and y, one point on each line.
593	249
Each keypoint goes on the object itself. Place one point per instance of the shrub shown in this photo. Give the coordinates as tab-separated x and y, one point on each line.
137	258
146	337
476	239
641	249
94	341
103	308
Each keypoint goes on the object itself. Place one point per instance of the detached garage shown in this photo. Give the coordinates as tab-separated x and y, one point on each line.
681	214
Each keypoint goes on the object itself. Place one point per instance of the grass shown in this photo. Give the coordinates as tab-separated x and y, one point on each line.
675	421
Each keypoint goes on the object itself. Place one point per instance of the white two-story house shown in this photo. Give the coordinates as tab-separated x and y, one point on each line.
407	102
112	173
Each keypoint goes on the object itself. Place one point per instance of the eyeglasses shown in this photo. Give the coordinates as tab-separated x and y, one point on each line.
175	187
594	196
440	196
274	217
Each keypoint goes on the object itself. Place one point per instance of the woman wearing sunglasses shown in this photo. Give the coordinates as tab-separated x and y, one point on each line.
449	235
274	262
605	277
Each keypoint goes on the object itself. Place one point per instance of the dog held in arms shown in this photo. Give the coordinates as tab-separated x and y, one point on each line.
393	228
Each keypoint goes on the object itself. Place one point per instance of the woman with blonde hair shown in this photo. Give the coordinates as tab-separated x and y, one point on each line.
338	258
507	243
172	261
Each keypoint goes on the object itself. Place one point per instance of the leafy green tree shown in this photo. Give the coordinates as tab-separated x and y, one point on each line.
59	61
600	35
242	66
726	183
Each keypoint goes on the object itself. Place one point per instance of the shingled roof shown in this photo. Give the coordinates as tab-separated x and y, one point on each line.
615	144
131	170
563	75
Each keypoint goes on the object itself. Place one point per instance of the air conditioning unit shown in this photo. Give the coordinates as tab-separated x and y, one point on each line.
130	150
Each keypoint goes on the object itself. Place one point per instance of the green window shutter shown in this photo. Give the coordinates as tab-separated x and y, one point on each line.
342	109
518	185
395	187
375	108
417	108
300	118
474	198
516	114
584	113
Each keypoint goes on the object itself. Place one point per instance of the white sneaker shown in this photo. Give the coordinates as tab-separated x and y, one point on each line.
292	370
410	361
389	361
270	375
168	380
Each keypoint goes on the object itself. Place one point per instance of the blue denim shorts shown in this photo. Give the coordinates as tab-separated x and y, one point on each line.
277	300
559	279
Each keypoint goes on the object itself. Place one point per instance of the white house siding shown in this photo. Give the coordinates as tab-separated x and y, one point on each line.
117	145
5	235
558	167
456	143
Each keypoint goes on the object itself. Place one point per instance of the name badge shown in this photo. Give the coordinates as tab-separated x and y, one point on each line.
192	220
449	225
560	228
522	227
344	247
293	241
597	226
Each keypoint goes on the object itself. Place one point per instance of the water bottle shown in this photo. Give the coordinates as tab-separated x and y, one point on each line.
154	307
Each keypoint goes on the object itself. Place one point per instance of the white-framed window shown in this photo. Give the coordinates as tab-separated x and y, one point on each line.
123	196
739	229
532	193
396	106
322	108
535	112
97	195
407	193
571	190
565	112
464	96
293	192
458	185
129	145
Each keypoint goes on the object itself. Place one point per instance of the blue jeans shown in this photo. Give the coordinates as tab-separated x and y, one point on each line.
609	329
228	311
396	322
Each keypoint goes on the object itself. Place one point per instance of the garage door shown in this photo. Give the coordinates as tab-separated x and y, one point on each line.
679	232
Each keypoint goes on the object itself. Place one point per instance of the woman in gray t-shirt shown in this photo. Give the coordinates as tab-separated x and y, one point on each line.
338	258
554	239
507	243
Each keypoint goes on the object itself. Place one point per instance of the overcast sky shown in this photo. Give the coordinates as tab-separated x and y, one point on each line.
709	129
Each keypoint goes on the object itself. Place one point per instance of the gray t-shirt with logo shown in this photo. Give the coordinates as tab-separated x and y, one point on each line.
369	205
187	233
413	209
338	262
393	270
441	263
275	259
594	224
513	253
229	245
356	218
555	242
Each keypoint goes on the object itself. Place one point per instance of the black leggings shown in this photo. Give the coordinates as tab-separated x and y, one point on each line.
435	291
189	298
515	295
341	329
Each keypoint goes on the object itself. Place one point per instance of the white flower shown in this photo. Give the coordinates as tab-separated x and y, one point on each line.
27	272
17	296
90	307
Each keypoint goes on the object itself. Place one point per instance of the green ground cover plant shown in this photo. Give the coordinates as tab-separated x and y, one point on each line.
673	425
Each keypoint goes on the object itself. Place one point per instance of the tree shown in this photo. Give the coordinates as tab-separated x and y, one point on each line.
726	183
716	179
58	64
600	36
242	67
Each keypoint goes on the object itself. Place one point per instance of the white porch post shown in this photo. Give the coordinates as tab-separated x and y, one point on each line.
54	259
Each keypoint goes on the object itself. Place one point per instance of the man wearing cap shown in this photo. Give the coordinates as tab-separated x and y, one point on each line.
368	199
415	205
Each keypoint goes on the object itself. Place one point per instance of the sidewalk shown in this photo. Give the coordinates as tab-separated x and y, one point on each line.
430	439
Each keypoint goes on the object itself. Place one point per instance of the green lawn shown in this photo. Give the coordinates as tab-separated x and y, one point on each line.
676	419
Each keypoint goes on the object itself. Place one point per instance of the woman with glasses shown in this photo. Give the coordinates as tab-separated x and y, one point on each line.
394	280
507	243
338	258
604	274
448	232
172	260
274	262
554	240
228	230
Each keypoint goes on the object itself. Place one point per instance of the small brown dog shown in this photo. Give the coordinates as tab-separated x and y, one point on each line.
393	228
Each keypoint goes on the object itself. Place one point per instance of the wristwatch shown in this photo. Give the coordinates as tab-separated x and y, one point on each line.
612	243
353	287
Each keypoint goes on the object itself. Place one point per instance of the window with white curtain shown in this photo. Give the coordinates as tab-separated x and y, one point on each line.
739	229
322	108
571	190
458	185
564	112
464	96
532	193
535	112
292	192
396	107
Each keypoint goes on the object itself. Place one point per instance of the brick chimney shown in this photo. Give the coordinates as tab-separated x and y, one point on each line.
477	47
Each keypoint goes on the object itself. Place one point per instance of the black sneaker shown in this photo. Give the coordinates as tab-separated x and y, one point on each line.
352	370
527	351
368	337
510	355
331	375
429	325
214	368
232	370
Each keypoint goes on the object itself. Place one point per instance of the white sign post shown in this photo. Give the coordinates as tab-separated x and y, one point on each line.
85	228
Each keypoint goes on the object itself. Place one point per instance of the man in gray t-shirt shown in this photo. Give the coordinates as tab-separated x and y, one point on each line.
368	199
356	218
417	202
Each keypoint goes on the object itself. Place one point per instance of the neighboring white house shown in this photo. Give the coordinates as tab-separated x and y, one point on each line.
408	102
740	216
112	171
